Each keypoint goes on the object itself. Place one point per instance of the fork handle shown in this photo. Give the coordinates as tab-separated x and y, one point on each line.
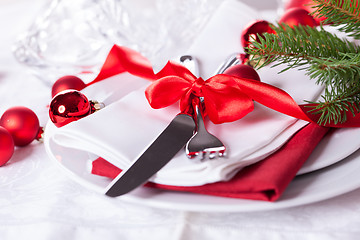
198	107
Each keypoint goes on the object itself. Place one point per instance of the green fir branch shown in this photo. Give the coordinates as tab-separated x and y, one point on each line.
343	13
298	46
336	72
335	109
333	62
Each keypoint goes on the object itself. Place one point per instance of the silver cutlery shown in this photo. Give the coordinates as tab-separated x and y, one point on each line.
202	145
230	61
160	152
190	63
173	138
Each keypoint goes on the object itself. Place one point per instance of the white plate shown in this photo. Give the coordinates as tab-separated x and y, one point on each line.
335	146
335	180
329	182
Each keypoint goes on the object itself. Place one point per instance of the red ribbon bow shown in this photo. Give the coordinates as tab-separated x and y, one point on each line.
224	101
227	98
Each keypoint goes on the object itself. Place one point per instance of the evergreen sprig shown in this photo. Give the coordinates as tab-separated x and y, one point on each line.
336	72
342	13
330	60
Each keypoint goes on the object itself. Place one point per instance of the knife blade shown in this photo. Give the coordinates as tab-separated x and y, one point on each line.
156	156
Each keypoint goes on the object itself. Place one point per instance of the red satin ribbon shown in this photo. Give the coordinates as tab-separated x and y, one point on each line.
224	101
227	98
123	59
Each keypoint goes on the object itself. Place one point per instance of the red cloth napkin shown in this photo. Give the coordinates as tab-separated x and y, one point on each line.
265	180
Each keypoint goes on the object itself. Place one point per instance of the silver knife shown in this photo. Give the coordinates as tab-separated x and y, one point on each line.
160	152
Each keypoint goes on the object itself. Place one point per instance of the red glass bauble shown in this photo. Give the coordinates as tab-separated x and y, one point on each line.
243	71
297	16
308	5
6	146
22	123
243	57
66	83
251	30
68	106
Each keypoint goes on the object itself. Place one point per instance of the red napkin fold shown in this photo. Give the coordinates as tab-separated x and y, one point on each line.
265	180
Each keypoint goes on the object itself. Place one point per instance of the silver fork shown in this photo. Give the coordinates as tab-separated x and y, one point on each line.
203	145
232	60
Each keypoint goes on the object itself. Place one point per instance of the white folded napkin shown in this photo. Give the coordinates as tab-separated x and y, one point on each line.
128	125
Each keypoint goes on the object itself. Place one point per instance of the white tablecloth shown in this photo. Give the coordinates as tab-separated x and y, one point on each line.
37	201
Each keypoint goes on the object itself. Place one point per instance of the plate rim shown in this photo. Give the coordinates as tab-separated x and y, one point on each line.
264	205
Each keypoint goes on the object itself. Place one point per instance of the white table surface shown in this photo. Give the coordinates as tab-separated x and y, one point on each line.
37	201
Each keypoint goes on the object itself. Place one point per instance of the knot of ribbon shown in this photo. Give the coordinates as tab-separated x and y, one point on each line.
223	98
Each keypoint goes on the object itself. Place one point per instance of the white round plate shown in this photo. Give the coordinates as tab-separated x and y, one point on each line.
335	146
329	182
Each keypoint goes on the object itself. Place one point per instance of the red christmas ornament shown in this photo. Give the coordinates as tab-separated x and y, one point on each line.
243	71
297	16
243	57
6	146
22	123
69	106
250	32
67	82
308	5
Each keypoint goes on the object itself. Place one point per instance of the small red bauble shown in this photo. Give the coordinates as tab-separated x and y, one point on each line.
6	146
308	5
22	123
69	106
250	31
243	71
305	4
67	82
298	16
243	57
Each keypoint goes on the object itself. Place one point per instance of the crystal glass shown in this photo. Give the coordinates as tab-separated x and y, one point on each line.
73	37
